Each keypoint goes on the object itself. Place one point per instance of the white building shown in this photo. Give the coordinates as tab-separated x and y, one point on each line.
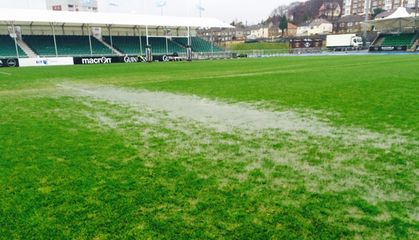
302	30
73	5
259	32
357	7
315	27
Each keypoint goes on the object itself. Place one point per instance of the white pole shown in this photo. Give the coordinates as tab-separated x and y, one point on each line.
189	48
167	41
14	37
167	46
212	42
55	40
141	41
110	39
189	36
416	12
146	33
90	40
366	11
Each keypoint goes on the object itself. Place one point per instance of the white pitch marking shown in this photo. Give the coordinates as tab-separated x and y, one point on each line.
5	73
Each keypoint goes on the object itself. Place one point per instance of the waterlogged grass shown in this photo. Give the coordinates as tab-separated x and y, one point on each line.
75	167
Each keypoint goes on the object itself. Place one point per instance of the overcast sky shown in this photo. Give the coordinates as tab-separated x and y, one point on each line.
252	11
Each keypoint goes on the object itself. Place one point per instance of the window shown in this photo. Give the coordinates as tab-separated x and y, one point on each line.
57	8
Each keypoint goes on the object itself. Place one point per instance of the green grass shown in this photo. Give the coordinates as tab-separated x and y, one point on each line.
74	167
258	46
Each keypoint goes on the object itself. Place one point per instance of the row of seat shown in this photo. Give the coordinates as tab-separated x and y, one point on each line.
44	45
398	40
137	45
66	45
160	45
8	47
198	44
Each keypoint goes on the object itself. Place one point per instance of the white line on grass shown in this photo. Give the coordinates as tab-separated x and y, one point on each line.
5	73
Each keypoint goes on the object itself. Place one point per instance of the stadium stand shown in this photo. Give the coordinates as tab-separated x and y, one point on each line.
70	30
131	44
396	40
43	45
198	44
158	45
126	44
8	48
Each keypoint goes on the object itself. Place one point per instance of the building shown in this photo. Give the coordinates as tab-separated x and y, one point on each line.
348	24
73	5
394	4
330	10
273	30
260	31
320	27
315	27
303	29
221	35
291	30
357	7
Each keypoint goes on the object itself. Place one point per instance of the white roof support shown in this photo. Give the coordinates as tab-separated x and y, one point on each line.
45	17
55	39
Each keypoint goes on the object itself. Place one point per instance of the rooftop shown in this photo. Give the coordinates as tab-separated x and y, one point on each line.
46	17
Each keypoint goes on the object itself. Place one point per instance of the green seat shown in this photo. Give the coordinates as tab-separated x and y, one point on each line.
158	46
133	44
8	47
398	40
199	45
66	45
127	44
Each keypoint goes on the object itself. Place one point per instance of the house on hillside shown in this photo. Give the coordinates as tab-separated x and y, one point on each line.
320	27
315	27
291	30
348	24
273	30
302	30
224	35
330	10
259	31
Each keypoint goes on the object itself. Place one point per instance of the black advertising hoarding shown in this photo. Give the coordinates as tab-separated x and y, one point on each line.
123	59
306	43
107	60
9	62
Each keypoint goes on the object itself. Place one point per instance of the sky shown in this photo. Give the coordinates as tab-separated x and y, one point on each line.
252	11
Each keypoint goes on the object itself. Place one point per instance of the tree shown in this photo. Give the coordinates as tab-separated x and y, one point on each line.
377	11
283	23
